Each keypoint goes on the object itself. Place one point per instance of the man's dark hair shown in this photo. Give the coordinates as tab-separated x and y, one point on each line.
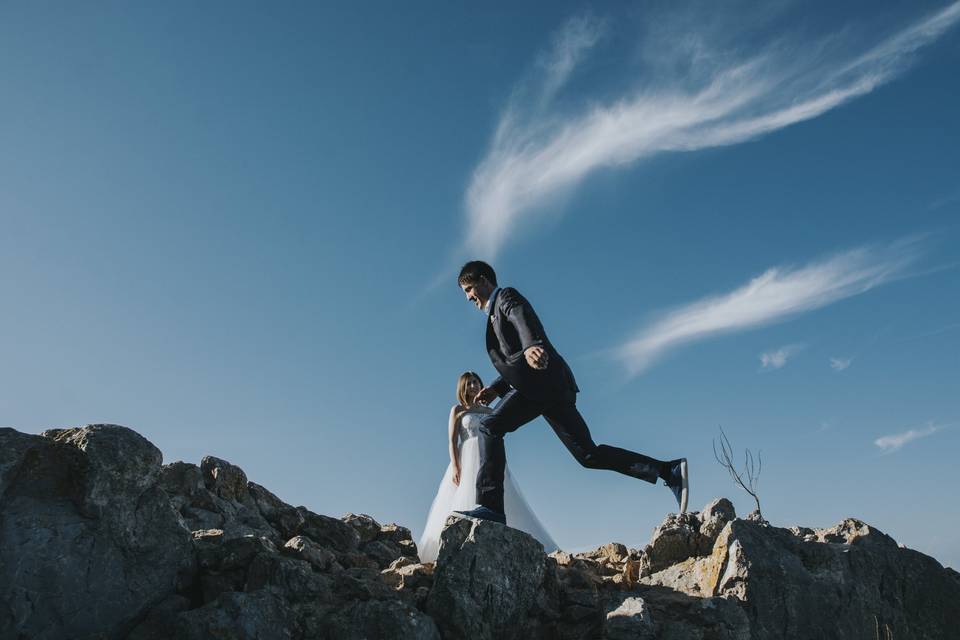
474	270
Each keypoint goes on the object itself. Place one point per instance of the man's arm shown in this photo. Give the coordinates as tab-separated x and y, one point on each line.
521	315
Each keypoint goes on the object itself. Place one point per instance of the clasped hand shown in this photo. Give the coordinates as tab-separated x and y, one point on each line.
537	357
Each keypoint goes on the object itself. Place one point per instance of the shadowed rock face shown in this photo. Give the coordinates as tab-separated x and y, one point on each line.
491	582
98	540
88	541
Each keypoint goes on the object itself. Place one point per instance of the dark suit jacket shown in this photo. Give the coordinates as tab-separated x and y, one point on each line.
513	328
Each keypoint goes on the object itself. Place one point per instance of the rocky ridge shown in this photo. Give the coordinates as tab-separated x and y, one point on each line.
98	539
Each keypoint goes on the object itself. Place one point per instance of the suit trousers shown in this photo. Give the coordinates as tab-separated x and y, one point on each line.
516	410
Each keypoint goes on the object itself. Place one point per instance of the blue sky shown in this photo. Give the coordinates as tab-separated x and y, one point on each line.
236	228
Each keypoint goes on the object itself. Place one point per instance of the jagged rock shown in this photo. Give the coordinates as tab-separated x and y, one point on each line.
224	562
226	480
201	519
385	552
395	533
404	561
405	574
283	517
306	549
88	540
790	587
408	548
328	532
612	552
97	540
216	553
953	575
806	533
580	602
681	538
490	581
676	539
269	505
182	481
214	536
853	531
713	518
289	577
629	619
216	495
367	528
677	616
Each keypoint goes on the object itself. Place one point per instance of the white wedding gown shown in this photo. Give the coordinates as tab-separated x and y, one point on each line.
451	497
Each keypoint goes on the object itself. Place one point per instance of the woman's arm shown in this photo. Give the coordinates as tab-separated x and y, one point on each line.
454	438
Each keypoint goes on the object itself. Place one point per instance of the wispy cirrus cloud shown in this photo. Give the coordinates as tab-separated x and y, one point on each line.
773	296
777	358
894	442
839	364
540	151
570	44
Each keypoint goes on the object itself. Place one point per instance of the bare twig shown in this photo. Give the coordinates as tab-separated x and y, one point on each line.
751	467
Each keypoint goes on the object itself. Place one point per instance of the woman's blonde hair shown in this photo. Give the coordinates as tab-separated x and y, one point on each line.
462	387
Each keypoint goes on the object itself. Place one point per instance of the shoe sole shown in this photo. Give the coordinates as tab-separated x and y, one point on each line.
685	490
467	515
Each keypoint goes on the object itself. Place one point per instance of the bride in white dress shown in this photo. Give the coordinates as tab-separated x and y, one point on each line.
458	487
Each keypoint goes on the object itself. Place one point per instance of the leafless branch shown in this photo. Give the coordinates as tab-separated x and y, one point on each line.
751	467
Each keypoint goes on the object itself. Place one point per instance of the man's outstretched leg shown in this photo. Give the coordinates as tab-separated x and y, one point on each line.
512	413
570	427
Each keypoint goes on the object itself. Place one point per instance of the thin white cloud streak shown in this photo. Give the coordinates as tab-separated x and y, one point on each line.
773	296
577	37
839	364
891	443
777	358
536	156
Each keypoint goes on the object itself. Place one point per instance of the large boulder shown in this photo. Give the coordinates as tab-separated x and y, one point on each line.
842	582
88	540
682	536
491	581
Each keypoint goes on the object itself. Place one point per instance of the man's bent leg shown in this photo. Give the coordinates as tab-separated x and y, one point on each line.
512	413
570	427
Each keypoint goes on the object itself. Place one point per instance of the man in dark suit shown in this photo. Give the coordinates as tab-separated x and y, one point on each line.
535	380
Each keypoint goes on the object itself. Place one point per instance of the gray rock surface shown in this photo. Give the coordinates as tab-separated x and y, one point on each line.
843	582
99	541
844	587
629	619
491	581
365	620
88	540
